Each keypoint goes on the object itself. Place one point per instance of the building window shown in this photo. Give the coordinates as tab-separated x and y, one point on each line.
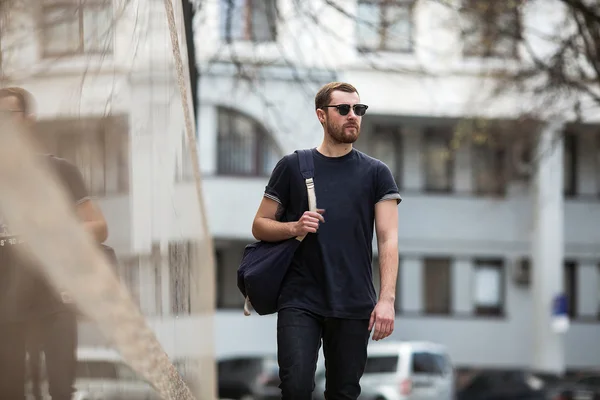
99	149
142	275
491	28
598	291
155	299
75	27
438	160
384	25
570	288
220	291
386	145
437	284
489	287
249	20
227	292
570	164
244	146
489	174
180	274
129	271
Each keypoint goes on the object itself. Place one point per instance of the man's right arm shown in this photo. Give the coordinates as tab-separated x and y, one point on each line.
267	228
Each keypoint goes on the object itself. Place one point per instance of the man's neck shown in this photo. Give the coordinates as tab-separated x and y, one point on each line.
329	149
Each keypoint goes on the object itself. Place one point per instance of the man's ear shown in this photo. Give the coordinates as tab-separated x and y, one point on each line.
321	116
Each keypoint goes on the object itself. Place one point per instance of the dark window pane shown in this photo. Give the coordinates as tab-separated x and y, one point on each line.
437	286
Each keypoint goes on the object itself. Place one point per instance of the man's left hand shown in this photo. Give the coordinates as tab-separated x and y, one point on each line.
382	319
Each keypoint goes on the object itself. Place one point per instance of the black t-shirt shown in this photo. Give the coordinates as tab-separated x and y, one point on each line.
24	294
331	273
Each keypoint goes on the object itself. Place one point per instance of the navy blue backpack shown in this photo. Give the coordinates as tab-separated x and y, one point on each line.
265	264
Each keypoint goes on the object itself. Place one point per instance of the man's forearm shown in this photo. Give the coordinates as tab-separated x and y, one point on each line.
388	269
269	230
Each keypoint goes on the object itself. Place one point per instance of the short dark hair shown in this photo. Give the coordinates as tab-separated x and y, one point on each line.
25	98
323	96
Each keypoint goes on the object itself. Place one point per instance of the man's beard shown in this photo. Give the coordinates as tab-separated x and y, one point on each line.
342	134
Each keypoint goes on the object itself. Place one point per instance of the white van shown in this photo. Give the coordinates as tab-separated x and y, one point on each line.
403	371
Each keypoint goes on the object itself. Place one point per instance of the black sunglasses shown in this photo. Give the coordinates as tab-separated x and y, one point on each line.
344	109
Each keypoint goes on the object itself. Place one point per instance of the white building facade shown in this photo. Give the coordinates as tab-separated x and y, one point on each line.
478	232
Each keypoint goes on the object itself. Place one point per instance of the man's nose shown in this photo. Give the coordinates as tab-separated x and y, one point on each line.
352	114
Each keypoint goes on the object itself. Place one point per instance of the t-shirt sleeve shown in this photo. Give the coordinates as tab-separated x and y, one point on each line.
72	178
386	187
278	188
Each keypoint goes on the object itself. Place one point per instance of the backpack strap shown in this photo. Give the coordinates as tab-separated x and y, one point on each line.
305	160
307	169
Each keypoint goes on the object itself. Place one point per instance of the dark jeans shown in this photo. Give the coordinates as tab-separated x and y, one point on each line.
58	340
56	335
299	335
12	360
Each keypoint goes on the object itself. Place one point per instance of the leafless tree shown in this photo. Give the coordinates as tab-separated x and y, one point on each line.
544	53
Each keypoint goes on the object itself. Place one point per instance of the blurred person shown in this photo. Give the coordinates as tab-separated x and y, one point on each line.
27	301
328	293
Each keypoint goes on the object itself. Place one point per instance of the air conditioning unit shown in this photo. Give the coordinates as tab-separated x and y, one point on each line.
521	272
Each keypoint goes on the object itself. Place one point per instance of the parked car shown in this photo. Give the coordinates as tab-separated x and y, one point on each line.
580	388
522	385
406	371
242	378
394	371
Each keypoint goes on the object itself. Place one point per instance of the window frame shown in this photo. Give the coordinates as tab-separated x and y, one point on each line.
486	31
497	167
571	287
180	261
223	300
106	140
489	310
79	6
570	168
262	143
247	21
393	135
384	25
433	134
448	310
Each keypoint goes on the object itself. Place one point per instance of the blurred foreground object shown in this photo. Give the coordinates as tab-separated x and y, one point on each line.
37	209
